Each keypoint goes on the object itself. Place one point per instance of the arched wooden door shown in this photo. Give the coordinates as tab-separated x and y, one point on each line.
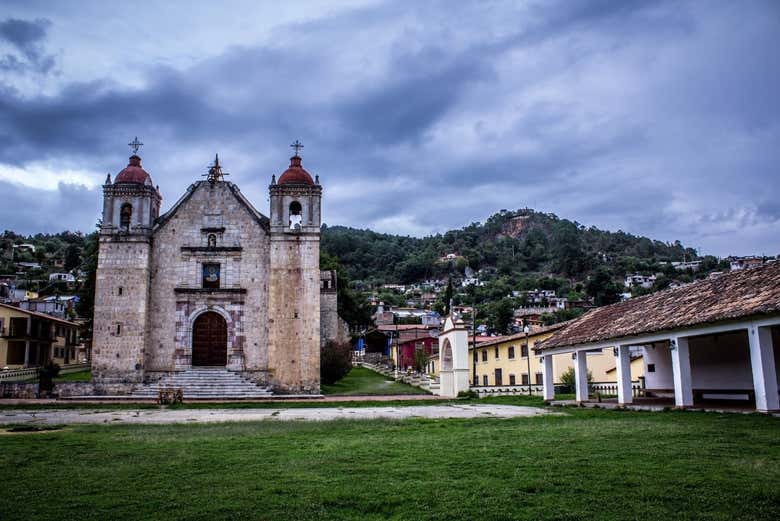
209	340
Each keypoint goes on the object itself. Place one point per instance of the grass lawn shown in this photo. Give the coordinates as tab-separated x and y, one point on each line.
81	376
362	381
588	464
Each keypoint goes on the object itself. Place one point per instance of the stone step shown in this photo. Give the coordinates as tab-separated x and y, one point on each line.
205	383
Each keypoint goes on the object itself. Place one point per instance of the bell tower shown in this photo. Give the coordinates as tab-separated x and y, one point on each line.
130	206
294	290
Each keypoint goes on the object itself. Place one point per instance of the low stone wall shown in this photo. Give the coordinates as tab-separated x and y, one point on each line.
64	389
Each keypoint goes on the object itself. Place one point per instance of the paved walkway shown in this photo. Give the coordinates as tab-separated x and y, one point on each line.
162	416
273	399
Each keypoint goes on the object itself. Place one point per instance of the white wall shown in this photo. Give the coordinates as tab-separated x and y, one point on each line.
660	356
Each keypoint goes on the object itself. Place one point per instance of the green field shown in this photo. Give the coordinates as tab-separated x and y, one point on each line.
588	464
81	376
362	381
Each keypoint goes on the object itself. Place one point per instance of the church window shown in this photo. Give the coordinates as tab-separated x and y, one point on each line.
295	215
120	291
212	240
210	275
119	329
125	215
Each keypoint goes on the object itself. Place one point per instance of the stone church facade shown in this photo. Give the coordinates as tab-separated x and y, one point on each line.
212	282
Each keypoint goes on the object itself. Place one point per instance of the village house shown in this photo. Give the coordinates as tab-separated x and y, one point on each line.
62	277
505	361
29	339
56	306
741	263
637	280
710	341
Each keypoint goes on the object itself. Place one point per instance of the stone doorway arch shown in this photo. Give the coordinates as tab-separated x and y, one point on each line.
209	340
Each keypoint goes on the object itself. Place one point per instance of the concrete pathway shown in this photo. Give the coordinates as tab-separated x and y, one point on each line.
163	416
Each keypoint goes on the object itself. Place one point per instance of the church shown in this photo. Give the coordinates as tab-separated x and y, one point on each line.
212	282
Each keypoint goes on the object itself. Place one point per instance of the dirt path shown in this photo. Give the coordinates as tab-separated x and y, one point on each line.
163	416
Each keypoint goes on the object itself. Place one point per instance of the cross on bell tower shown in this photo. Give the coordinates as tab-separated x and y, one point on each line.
135	145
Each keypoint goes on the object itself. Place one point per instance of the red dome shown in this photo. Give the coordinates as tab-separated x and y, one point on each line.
133	173
295	174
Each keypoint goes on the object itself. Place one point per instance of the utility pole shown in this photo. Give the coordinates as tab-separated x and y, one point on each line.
526	330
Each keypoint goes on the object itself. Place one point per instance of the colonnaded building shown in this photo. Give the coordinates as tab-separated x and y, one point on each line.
212	282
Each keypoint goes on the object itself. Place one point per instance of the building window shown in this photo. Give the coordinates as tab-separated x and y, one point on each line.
210	275
511	352
125	215
476	379
497	351
484	356
119	329
650	368
120	290
525	378
295	215
538	378
212	241
499	377
524	350
476	358
484	380
512	380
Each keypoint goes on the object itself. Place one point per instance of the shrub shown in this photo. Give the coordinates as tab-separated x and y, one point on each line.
335	361
568	379
46	376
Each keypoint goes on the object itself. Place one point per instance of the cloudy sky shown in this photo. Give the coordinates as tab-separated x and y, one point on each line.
657	118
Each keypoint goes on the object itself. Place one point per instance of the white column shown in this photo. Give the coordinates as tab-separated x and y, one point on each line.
547	378
26	353
681	371
762	359
624	375
581	376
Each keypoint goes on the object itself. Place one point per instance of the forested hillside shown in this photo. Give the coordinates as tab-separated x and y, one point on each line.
511	243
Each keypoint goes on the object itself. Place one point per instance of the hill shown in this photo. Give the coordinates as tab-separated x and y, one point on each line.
514	244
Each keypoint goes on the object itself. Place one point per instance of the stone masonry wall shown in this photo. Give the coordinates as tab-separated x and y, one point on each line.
120	315
294	310
243	254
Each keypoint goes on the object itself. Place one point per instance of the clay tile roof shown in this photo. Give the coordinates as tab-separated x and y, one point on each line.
521	336
731	296
134	173
295	174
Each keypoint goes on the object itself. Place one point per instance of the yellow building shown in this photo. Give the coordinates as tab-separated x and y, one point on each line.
29	339
505	361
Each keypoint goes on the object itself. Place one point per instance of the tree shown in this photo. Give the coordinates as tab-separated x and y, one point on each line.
501	314
335	361
72	257
602	288
448	296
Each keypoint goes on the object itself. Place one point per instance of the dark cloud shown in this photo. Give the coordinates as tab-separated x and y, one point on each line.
659	118
29	210
27	38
